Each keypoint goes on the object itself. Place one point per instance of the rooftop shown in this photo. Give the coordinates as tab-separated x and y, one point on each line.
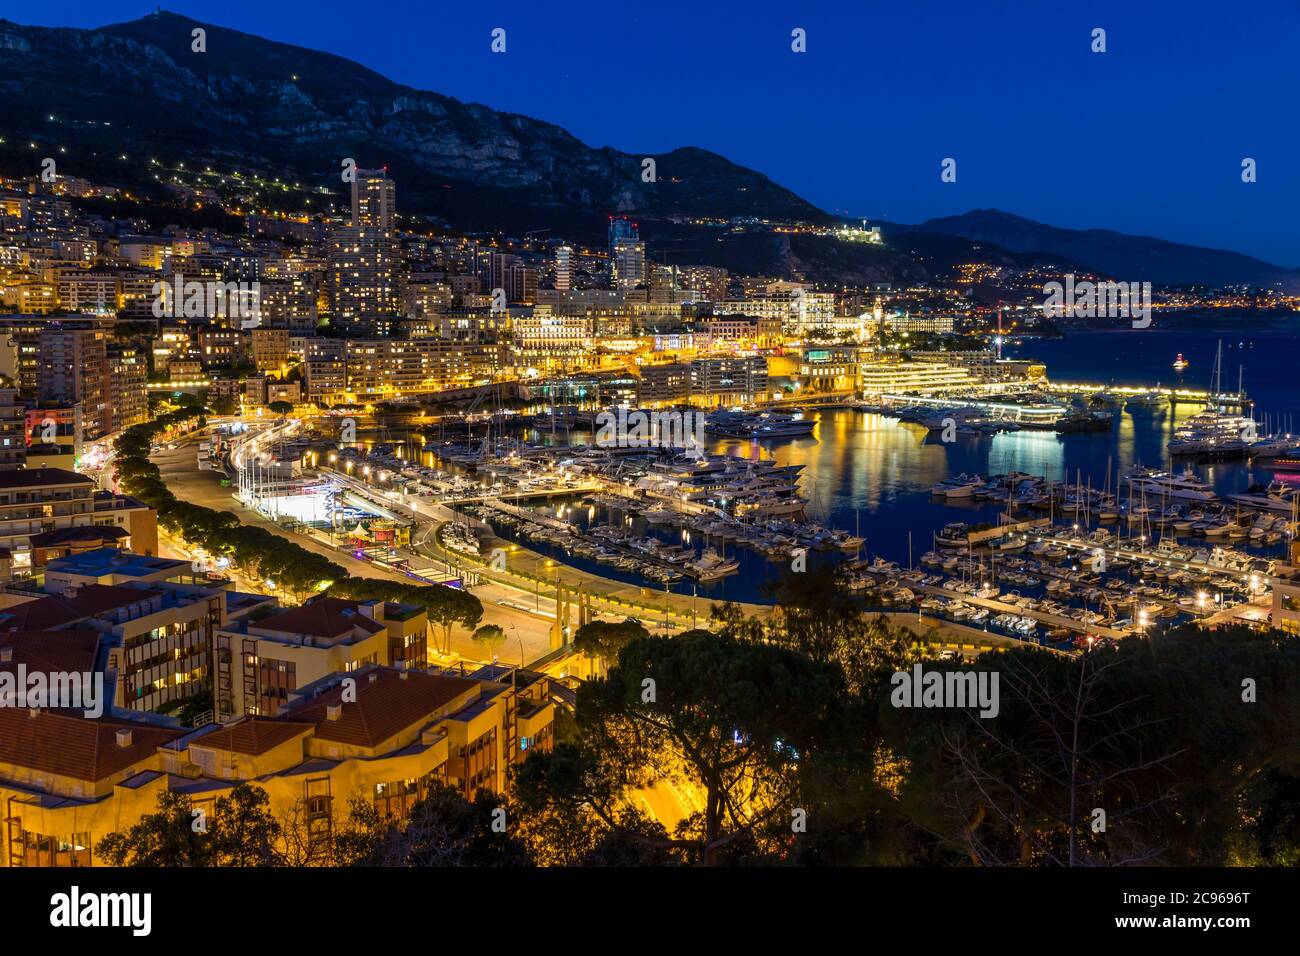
55	610
387	702
325	617
252	735
72	651
102	561
101	533
37	477
71	745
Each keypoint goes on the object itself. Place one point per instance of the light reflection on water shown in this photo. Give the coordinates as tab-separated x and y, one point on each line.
869	472
873	472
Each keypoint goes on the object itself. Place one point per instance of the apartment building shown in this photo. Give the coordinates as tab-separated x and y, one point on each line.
1285	616
126	388
88	290
664	384
159	632
325	368
70	370
45	512
729	380
270	349
263	662
382	735
13	437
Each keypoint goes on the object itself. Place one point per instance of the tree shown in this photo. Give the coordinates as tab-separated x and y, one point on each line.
165	837
734	719
445	829
281	408
226	405
815	614
244	832
605	639
491	636
240	832
447	607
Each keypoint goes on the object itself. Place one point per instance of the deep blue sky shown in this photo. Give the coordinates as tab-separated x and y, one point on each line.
1147	138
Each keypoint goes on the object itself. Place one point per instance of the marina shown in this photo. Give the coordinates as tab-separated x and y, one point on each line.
996	525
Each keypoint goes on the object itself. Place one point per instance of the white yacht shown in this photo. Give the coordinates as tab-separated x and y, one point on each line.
659	514
712	565
963	486
1160	484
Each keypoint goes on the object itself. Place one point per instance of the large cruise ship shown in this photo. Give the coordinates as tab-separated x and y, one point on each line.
1161	484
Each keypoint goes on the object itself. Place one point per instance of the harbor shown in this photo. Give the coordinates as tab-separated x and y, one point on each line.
1053	535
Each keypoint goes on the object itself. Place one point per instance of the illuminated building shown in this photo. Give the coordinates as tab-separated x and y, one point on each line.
1286	606
386	737
920	378
71	370
629	265
126	398
563	268
270	658
270	349
365	257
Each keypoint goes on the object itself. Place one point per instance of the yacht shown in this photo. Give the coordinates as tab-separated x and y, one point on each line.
711	565
1164	485
659	514
1215	434
736	423
1277	496
962	486
1147	400
1288	462
953	535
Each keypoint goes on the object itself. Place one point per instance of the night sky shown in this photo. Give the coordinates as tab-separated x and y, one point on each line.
1146	138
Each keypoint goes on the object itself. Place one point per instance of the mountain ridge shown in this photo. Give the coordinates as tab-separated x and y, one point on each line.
1112	253
280	110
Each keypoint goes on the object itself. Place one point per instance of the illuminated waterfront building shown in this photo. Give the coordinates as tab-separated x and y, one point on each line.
920	378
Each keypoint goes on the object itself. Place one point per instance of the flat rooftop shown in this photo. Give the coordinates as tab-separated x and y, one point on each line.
102	561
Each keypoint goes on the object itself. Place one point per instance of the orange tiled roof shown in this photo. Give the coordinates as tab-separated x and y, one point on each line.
72	650
71	745
323	617
252	735
55	610
383	707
